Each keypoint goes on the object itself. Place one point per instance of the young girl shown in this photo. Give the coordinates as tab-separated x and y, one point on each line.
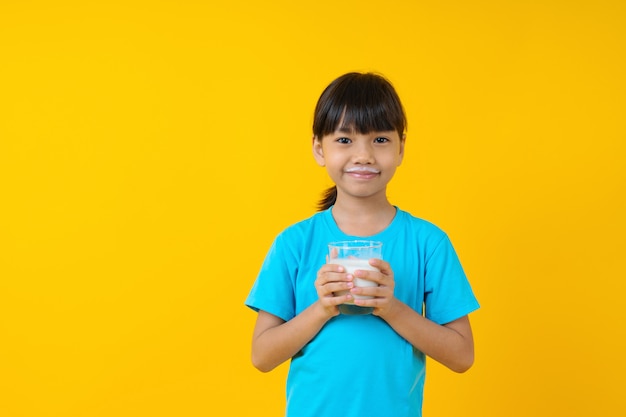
344	362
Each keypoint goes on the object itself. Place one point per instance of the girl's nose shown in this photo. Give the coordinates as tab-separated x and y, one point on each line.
364	154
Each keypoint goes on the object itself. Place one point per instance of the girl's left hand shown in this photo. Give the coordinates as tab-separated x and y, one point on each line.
383	300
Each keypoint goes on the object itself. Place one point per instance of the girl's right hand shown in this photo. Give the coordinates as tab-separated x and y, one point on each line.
332	278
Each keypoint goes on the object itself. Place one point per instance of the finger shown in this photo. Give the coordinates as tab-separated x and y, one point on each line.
336	287
368	302
331	268
340	299
382	266
377	291
374	301
332	273
374	276
366	291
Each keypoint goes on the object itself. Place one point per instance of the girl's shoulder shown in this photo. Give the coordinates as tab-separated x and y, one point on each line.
418	224
310	223
303	229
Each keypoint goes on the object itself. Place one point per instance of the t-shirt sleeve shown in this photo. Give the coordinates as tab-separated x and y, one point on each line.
448	294
273	290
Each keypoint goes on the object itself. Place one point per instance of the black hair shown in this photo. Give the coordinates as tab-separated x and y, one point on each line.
365	102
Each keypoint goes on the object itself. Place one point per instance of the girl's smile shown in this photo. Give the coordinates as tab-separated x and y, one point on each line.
362	172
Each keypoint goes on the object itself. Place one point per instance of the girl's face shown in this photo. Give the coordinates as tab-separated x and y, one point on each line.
360	165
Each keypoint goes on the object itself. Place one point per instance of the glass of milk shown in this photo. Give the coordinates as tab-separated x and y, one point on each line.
353	255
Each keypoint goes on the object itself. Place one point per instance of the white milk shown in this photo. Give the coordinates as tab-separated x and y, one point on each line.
351	265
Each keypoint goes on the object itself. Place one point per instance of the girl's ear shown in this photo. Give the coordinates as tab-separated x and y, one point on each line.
318	152
402	142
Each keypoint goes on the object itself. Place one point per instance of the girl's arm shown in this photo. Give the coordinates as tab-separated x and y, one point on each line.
275	340
451	344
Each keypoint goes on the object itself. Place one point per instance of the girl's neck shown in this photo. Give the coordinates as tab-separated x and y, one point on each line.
363	218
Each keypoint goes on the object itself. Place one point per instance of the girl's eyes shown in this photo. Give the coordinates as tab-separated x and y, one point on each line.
379	139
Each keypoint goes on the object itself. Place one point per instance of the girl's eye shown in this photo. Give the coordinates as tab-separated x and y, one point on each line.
381	140
343	140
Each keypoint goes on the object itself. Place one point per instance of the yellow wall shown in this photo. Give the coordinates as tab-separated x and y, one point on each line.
151	150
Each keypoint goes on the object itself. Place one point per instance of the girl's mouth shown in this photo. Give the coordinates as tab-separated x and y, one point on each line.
362	172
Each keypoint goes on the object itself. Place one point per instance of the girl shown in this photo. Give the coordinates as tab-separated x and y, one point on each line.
344	362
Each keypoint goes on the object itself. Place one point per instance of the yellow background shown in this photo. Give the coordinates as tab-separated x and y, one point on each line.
151	150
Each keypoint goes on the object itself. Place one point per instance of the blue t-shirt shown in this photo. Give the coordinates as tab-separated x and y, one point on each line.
357	365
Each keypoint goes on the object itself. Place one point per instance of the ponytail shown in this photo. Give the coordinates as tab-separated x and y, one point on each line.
329	197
